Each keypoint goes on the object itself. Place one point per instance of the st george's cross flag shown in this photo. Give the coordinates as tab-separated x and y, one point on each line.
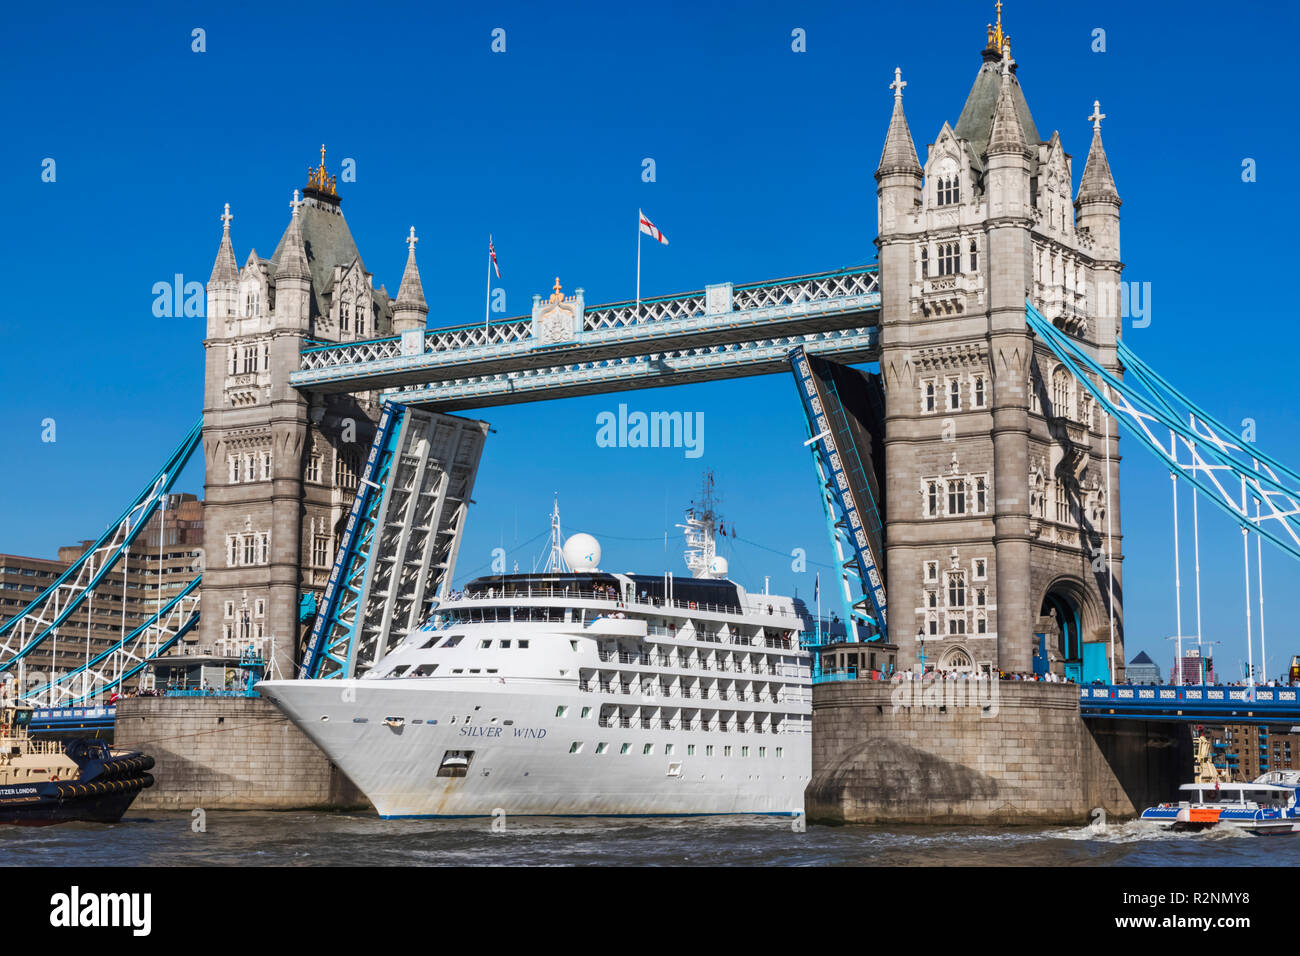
650	229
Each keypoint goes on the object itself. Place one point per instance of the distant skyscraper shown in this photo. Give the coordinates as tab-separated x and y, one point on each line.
1143	670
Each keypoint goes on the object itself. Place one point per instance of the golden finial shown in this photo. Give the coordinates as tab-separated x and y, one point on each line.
557	296
997	39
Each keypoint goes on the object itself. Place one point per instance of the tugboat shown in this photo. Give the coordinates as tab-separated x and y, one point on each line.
44	781
1266	806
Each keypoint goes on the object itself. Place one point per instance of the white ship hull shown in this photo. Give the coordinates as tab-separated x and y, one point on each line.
391	738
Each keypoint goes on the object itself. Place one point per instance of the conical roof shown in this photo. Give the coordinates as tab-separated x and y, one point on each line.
899	154
1097	182
225	269
290	257
410	294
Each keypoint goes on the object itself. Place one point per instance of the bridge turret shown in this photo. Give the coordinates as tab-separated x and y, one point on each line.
410	310
1097	214
899	175
223	284
293	276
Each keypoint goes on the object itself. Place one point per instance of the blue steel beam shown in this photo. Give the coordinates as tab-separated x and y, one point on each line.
715	316
330	650
1218	463
130	642
1195	703
835	464
21	635
654	370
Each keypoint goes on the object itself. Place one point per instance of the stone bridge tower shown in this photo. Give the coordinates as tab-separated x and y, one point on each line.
998	498
282	470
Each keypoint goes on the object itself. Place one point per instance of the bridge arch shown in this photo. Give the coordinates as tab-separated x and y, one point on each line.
1074	614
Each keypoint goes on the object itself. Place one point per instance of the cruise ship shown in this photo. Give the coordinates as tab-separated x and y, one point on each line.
574	691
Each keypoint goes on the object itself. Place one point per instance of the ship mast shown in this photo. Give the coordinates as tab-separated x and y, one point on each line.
702	522
555	563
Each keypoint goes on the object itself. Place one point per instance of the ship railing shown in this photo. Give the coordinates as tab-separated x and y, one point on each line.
604	596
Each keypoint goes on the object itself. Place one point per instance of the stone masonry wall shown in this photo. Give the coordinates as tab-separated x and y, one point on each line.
1028	758
228	753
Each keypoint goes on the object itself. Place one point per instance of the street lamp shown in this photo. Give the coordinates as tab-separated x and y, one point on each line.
920	637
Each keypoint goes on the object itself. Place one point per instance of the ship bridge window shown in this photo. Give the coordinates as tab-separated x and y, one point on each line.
505	643
523	645
425	670
451	641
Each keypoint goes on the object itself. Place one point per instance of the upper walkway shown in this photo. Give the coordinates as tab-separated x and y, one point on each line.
722	331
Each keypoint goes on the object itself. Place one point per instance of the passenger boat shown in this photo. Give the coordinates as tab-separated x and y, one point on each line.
579	692
43	782
1266	806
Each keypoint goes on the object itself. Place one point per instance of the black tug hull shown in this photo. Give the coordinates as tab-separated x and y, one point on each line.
102	792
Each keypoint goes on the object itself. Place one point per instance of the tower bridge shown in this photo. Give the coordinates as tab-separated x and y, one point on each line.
974	477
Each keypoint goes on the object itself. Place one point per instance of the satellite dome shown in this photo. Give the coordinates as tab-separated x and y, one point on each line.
718	567
582	552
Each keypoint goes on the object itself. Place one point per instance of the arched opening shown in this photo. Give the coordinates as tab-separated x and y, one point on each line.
1066	643
956	661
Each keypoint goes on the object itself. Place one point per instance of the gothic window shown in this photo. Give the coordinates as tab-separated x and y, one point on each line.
949	258
933	620
956	496
266	466
954	395
232	550
250	359
981	597
948	190
932	570
957	624
981	624
1062	503
929	396
266	357
957	589
931	598
932	499
978	391
320	551
981	496
250	549
259	607
981	569
250	471
229	610
343	317
264	548
1061	404
234	361
345	475
925	262
974	256
313	468
232	464
1034	386
361	318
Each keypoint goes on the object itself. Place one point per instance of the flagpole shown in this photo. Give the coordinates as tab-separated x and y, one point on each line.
487	302
639	214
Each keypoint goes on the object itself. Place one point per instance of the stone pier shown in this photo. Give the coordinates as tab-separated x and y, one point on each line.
1010	753
232	753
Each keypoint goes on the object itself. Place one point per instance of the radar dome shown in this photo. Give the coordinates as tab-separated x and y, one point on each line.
718	567
582	552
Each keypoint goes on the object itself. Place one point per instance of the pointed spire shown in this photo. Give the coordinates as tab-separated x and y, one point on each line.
293	251
1097	182
899	154
225	269
1006	135
410	294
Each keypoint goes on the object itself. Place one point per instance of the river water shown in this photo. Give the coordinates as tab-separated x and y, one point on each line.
230	838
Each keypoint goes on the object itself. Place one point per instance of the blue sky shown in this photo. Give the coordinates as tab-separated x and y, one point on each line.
764	161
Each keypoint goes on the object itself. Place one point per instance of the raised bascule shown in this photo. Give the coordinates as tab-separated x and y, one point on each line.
970	478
